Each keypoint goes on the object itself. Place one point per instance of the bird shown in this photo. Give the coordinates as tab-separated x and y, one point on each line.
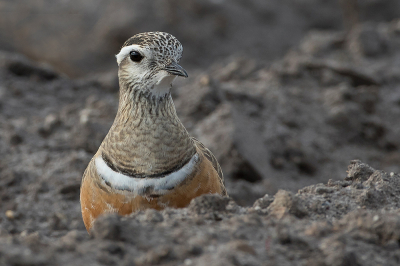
147	159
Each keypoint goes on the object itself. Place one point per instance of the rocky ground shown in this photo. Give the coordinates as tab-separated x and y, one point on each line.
284	133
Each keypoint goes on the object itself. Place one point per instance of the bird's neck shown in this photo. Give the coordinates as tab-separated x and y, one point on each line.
147	138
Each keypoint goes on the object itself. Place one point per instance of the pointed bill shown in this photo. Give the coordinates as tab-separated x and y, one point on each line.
175	69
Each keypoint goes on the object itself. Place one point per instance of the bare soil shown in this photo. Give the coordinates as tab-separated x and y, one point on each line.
284	132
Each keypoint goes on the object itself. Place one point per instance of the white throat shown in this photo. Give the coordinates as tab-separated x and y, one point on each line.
163	86
144	186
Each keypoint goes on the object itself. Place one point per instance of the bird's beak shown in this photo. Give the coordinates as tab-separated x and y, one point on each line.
175	69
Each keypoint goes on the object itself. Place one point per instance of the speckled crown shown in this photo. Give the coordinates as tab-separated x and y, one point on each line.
161	42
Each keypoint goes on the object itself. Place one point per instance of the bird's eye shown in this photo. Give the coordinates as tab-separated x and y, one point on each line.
135	56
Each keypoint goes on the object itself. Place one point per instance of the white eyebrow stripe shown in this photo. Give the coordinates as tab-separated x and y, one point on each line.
125	51
142	186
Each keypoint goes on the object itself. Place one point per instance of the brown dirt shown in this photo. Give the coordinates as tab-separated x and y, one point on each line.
284	135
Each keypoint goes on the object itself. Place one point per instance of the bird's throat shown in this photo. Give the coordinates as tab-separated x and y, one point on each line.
147	137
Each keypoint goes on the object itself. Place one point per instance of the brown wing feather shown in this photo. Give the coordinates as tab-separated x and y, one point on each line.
214	163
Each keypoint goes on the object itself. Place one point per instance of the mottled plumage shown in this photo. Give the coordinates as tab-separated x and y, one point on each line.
147	159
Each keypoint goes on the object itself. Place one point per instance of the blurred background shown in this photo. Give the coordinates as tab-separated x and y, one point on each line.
284	93
80	37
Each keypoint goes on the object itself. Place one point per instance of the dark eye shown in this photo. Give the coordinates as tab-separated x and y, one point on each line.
135	56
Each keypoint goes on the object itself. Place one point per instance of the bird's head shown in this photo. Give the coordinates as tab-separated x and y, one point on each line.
149	61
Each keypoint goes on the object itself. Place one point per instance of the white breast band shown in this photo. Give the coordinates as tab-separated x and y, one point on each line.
144	186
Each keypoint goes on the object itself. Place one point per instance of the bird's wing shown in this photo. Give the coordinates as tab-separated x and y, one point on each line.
208	154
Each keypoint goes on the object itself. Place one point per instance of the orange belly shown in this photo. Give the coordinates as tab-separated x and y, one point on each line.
96	200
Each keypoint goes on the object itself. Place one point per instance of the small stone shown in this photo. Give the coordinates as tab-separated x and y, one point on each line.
358	171
204	80
84	116
10	214
323	190
50	123
263	202
287	203
50	120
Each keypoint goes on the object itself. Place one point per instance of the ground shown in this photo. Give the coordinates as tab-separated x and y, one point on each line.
308	143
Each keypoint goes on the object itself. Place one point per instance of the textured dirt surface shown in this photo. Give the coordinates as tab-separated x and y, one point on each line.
284	132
